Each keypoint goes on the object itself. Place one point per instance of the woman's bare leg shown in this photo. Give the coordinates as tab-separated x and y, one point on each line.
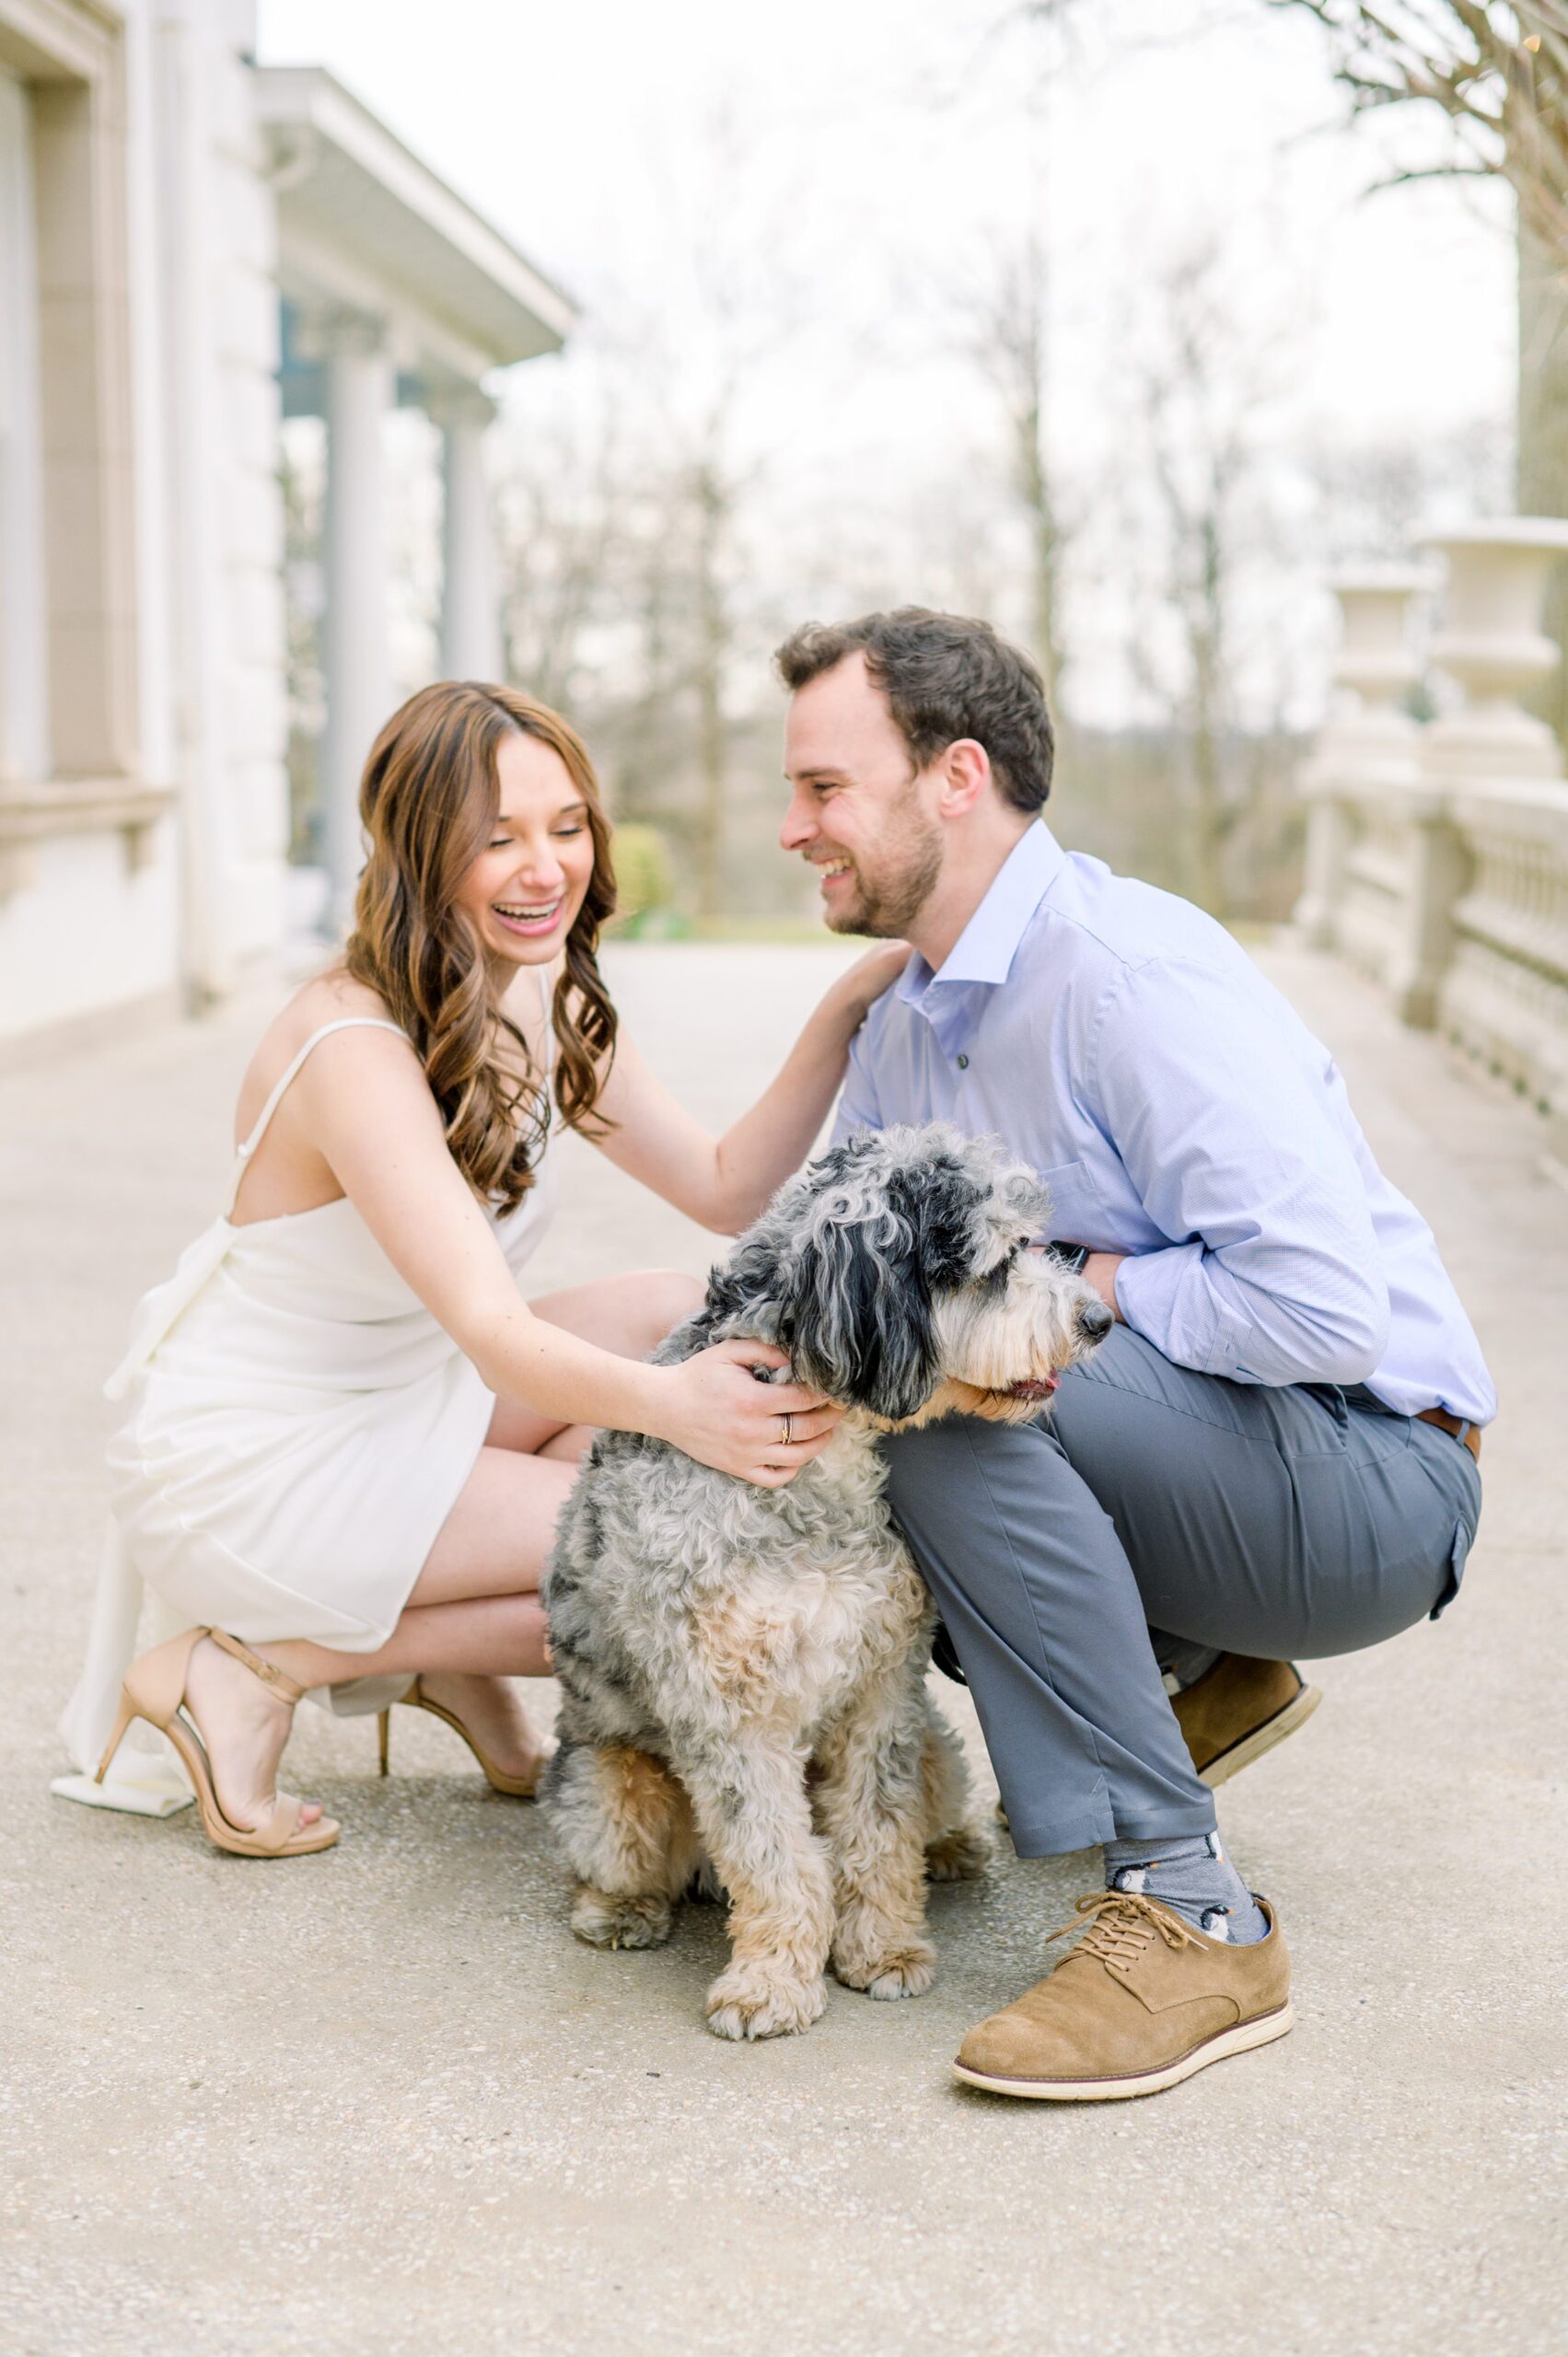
628	1314
473	1621
495	1636
473	1649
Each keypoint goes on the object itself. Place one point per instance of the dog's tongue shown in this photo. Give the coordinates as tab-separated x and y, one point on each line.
1041	1389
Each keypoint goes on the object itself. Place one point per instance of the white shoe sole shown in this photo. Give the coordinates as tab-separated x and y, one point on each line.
1296	1712
1260	2031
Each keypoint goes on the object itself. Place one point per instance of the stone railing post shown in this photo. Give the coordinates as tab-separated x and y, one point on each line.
1497	887
1491	644
1436	869
1369	749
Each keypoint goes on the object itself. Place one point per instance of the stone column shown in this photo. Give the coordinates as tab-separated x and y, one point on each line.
24	653
1491	644
1500	902
359	381
1369	748
471	619
1435	873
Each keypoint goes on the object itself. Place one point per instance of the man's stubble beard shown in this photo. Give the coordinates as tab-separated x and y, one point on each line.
890	902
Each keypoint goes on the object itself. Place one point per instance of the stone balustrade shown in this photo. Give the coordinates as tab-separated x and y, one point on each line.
1437	853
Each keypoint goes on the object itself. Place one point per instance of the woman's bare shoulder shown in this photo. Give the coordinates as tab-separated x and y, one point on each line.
327	998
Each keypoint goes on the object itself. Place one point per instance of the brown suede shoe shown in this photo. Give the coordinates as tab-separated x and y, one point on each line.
1240	1708
1141	2002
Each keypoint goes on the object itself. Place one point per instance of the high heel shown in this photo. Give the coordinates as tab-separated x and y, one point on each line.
521	1788
154	1690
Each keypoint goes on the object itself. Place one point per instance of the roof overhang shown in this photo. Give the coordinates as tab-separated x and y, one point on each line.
365	225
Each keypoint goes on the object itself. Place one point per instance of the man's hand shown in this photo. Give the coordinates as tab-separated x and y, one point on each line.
1099	1272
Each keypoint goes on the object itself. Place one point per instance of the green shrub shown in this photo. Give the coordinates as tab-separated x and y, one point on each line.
644	875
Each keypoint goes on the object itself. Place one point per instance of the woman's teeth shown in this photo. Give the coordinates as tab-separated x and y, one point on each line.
516	913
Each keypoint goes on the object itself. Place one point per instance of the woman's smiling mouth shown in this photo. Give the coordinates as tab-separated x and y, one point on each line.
529	917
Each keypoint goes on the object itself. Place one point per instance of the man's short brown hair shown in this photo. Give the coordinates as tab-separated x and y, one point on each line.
944	676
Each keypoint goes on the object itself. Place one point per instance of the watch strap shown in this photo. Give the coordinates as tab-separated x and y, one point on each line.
1069	1256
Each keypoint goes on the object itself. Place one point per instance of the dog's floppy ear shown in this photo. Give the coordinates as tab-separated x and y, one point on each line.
857	1321
842	1267
856	1299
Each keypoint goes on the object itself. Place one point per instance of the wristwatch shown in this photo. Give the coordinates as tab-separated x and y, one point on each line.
1070	1255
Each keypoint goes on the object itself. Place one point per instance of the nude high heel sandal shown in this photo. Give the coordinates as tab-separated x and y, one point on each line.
521	1788
154	1690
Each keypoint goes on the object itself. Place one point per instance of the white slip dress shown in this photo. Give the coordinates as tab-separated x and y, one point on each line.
301	1426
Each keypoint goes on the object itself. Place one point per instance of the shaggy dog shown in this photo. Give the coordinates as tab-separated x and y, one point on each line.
742	1669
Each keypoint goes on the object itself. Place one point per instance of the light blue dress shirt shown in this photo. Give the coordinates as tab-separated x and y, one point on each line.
1178	1111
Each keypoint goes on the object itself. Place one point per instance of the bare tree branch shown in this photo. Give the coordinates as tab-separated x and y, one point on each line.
1007	332
1431	172
1197	383
1497	69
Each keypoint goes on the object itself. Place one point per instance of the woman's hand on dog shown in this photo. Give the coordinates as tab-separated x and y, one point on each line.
714	1407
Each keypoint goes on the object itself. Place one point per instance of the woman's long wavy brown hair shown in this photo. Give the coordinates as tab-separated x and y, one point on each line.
429	800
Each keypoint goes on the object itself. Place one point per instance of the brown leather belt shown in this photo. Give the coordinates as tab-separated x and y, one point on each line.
1462	1431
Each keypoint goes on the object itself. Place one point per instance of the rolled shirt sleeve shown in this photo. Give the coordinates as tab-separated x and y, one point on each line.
858	1104
1273	1273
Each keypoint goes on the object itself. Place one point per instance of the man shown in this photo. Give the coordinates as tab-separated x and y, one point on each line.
1275	1450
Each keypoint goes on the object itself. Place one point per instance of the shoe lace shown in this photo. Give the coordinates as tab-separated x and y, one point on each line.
1119	1925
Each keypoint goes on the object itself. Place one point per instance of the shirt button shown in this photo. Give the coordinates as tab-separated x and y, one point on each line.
963	1063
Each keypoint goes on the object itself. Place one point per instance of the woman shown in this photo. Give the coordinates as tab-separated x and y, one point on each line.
349	1435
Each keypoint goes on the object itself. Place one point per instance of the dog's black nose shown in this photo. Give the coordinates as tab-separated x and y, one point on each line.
1095	1321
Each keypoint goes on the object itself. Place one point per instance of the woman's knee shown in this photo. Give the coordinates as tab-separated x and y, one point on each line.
630	1314
500	1529
664	1299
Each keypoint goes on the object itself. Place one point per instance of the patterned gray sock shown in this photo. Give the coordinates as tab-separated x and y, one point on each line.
1192	1876
1182	1664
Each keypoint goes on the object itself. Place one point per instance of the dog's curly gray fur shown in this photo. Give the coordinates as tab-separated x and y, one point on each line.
742	1669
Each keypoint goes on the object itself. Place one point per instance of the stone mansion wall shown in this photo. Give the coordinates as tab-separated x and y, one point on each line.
141	796
162	202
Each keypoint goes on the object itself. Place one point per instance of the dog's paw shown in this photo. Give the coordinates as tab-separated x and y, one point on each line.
747	2003
606	1922
904	1971
959	1854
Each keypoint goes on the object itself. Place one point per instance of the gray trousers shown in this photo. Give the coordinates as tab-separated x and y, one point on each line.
1155	1510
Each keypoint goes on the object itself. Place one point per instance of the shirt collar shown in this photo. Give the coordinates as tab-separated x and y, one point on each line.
985	950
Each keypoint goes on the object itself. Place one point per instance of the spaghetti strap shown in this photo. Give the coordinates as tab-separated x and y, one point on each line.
547	1021
276	1096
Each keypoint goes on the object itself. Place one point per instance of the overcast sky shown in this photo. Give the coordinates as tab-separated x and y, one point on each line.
883	149
899	133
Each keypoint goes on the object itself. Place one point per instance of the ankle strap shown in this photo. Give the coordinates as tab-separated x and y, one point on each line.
268	1672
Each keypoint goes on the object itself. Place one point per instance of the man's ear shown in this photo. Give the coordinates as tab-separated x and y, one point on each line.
966	776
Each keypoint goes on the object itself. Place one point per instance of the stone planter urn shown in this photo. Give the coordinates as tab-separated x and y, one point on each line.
1378	663
1491	644
1370	741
